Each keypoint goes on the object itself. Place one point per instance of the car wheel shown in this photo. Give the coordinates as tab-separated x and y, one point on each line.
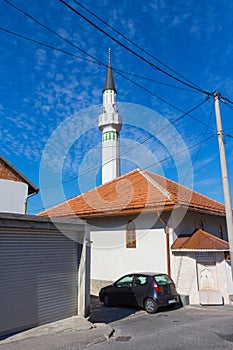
150	306
107	301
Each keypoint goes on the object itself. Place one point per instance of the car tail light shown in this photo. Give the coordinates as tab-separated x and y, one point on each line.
155	285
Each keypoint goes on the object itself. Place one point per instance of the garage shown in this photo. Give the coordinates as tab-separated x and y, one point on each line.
40	264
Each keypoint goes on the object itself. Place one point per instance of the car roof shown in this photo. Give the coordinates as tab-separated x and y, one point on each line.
148	273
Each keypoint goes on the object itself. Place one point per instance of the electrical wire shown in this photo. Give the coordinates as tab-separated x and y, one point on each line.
93	59
118	71
145	168
180	152
130	50
227	104
133	43
46	45
225	99
130	149
201	144
102	64
228	135
155	81
53	31
3	146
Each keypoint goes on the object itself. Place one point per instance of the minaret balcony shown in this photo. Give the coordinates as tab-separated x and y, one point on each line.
110	119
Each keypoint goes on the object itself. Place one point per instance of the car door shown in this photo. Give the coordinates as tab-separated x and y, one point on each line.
122	293
140	288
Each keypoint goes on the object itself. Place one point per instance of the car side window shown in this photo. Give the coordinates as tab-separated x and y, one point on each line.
140	281
126	281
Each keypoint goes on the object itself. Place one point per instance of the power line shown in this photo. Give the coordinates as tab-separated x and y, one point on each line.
225	99
228	135
94	60
149	166
155	81
133	43
180	152
102	64
88	148
131	148
162	99
201	144
118	71
46	45
132	51
52	31
227	104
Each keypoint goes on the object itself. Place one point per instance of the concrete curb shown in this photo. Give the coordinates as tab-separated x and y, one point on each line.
214	308
73	333
75	323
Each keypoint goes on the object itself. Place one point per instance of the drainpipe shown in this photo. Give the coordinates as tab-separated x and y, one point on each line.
167	245
29	196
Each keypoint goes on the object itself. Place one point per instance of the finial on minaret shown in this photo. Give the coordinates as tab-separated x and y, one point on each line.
109	56
109	82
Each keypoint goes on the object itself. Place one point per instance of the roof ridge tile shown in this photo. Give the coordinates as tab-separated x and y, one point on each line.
156	185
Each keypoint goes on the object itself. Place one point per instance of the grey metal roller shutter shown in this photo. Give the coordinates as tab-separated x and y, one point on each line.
38	279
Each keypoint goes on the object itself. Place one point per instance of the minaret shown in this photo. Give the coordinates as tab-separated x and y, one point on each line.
110	126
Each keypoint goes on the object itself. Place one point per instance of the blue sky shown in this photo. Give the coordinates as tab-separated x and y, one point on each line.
49	96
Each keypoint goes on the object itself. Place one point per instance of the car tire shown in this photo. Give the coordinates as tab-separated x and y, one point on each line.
150	306
107	301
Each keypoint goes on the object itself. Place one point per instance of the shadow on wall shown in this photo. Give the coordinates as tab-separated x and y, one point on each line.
96	285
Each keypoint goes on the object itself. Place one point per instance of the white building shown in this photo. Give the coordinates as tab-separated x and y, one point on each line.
134	222
15	189
137	222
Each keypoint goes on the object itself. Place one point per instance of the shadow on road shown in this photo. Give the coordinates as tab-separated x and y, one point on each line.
101	314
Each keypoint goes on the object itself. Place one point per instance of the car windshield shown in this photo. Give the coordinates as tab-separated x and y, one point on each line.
162	280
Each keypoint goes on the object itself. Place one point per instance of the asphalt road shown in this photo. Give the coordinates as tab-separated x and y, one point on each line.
186	328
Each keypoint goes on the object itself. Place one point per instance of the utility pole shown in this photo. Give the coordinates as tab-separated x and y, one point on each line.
226	187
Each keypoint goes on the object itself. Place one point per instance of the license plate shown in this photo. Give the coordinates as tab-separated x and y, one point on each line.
171	301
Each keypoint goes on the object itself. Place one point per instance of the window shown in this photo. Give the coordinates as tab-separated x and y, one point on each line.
126	281
162	280
140	281
130	235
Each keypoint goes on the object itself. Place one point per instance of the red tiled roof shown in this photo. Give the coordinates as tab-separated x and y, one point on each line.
9	172
200	240
131	193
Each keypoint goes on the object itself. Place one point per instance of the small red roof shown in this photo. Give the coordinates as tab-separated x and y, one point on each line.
132	193
200	240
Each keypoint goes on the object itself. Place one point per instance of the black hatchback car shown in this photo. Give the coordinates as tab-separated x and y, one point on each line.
147	290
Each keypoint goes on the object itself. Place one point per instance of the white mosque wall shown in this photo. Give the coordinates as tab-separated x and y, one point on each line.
13	196
110	257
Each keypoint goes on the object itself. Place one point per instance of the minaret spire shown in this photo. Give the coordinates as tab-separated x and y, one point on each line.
109	82
110	126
